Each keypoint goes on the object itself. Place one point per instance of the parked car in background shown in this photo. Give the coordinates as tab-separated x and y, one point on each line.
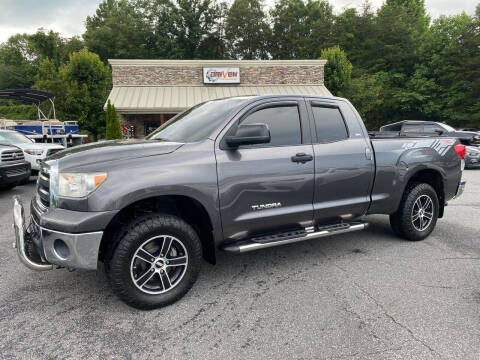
472	157
33	152
431	128
13	167
235	174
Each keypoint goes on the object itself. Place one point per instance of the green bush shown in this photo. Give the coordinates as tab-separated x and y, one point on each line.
112	130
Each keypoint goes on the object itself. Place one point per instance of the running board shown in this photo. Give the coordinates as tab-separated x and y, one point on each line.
278	239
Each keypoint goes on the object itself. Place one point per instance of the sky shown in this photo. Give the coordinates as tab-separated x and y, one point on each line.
68	16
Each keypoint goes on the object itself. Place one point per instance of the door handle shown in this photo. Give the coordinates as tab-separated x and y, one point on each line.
302	158
368	154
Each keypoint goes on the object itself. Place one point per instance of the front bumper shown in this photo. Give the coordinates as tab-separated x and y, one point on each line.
77	251
10	174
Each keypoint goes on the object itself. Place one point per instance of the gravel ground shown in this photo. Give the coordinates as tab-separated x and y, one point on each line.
366	295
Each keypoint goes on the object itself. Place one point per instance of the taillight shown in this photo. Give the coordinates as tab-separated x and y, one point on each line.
461	150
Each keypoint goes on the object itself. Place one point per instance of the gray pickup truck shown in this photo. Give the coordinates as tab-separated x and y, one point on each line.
235	174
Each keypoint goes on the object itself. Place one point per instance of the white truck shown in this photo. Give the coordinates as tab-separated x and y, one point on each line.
33	152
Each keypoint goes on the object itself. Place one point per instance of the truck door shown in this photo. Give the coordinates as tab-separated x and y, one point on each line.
268	187
344	165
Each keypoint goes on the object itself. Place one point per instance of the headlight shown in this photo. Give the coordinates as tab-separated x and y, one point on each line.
79	185
33	151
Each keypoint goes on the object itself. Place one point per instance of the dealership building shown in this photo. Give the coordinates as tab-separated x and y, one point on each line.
146	93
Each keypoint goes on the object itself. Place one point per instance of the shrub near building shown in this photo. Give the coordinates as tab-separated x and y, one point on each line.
113	129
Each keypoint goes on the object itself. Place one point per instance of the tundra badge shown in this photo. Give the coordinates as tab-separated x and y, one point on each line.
266	206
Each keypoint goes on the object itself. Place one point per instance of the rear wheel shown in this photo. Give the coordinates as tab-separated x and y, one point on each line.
417	214
156	262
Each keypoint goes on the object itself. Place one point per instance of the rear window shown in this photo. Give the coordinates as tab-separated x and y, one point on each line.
392	127
411	128
329	124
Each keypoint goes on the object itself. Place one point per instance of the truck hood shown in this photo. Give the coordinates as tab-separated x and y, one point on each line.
113	150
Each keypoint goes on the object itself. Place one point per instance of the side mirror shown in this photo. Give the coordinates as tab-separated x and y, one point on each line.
439	132
249	134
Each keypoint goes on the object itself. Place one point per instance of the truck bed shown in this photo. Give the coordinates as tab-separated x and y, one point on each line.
398	156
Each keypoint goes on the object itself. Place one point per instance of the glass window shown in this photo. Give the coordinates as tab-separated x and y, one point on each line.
412	128
432	128
329	124
283	122
392	127
198	122
13	137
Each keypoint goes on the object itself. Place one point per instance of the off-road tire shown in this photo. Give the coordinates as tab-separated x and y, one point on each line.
401	220
132	236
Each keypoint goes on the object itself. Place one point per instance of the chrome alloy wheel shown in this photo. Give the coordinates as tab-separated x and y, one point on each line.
159	264
422	213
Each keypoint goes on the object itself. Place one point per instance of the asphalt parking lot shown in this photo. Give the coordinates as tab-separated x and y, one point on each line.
366	295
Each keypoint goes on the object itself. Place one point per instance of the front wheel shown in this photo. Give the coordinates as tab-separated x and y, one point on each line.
417	214
156	262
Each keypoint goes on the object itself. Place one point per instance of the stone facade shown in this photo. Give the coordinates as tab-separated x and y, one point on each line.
251	73
138	73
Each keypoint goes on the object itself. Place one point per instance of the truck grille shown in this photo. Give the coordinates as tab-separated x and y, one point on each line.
12	156
15	172
43	188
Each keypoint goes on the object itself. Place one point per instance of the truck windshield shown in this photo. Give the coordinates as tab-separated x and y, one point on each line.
198	122
12	137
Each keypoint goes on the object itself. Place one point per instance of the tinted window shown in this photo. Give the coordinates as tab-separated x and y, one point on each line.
412	128
431	128
392	127
329	124
283	122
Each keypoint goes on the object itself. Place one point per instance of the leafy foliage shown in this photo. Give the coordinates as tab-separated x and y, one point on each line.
247	31
338	71
301	29
112	129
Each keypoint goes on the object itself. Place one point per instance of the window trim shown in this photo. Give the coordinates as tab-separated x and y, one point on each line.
265	105
313	104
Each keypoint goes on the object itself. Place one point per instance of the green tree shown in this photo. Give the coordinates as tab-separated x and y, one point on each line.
447	80
365	93
16	67
87	82
192	21
113	129
354	31
301	29
401	27
247	31
118	30
338	70
22	54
